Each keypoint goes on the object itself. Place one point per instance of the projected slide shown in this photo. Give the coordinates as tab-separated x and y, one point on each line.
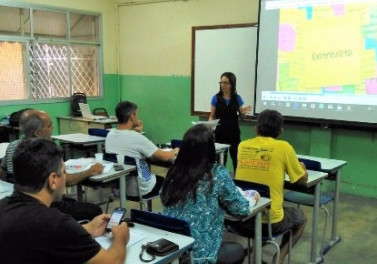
317	55
326	49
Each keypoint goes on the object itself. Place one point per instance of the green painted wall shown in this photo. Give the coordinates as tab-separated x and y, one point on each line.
109	100
164	104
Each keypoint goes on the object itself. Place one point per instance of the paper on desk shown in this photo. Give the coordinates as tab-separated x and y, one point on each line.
83	164
211	123
135	236
251	196
78	165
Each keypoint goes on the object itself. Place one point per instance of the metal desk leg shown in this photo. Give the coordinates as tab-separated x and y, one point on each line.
313	252
221	157
257	241
334	235
122	185
80	192
100	147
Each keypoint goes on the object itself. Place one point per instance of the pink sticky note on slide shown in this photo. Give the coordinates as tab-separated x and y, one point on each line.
287	37
371	86
338	9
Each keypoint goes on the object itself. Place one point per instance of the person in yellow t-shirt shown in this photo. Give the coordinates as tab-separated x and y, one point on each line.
265	159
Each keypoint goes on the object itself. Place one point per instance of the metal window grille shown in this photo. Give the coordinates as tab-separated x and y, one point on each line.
50	70
52	62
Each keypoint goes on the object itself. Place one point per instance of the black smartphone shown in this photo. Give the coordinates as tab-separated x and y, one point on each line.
118	167
115	218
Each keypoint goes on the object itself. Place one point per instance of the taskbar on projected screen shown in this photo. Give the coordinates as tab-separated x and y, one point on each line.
315	106
337	112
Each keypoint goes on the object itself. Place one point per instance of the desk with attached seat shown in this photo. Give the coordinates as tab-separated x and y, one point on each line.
101	179
152	234
314	180
81	139
333	168
256	212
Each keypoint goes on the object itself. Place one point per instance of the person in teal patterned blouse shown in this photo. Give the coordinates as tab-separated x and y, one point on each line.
199	191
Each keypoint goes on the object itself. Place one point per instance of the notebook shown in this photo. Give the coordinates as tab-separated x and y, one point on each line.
86	113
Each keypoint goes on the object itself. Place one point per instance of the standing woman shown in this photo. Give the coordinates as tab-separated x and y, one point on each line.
226	105
199	191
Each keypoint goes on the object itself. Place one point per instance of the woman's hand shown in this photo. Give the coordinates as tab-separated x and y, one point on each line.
245	110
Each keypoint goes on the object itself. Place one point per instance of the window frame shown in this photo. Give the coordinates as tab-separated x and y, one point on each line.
31	40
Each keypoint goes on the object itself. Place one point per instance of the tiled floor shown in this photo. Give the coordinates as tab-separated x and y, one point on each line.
357	227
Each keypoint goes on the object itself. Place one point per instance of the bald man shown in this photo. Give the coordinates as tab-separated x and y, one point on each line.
37	124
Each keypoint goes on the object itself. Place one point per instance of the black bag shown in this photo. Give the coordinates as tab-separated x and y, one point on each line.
77	98
14	118
160	247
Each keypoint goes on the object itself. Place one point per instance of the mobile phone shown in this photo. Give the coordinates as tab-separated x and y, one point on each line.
118	167
115	218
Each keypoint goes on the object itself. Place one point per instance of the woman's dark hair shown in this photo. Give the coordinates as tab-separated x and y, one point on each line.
270	123
232	80
194	162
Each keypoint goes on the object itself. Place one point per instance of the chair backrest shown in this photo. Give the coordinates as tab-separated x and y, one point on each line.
176	143
311	164
9	177
263	190
161	221
110	157
98	132
100	111
127	160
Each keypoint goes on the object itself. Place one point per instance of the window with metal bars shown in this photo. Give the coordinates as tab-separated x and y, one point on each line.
48	54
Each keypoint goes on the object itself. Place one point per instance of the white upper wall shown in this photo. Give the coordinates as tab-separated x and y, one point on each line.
155	39
108	9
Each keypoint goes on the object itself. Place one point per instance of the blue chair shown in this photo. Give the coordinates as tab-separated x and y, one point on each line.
268	238
99	132
301	198
166	223
161	221
145	202
175	143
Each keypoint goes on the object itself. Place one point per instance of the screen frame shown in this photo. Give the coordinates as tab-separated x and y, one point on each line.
321	122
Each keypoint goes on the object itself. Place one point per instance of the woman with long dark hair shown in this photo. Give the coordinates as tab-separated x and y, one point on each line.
227	106
199	191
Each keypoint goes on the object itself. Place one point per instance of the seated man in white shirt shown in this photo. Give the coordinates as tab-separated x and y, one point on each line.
127	140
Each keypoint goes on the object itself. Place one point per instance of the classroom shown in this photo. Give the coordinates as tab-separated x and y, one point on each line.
146	58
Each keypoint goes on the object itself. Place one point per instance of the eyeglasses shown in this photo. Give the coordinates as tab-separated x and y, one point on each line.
224	83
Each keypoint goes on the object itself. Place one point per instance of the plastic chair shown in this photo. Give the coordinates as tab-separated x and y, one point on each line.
268	238
308	198
145	202
100	111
